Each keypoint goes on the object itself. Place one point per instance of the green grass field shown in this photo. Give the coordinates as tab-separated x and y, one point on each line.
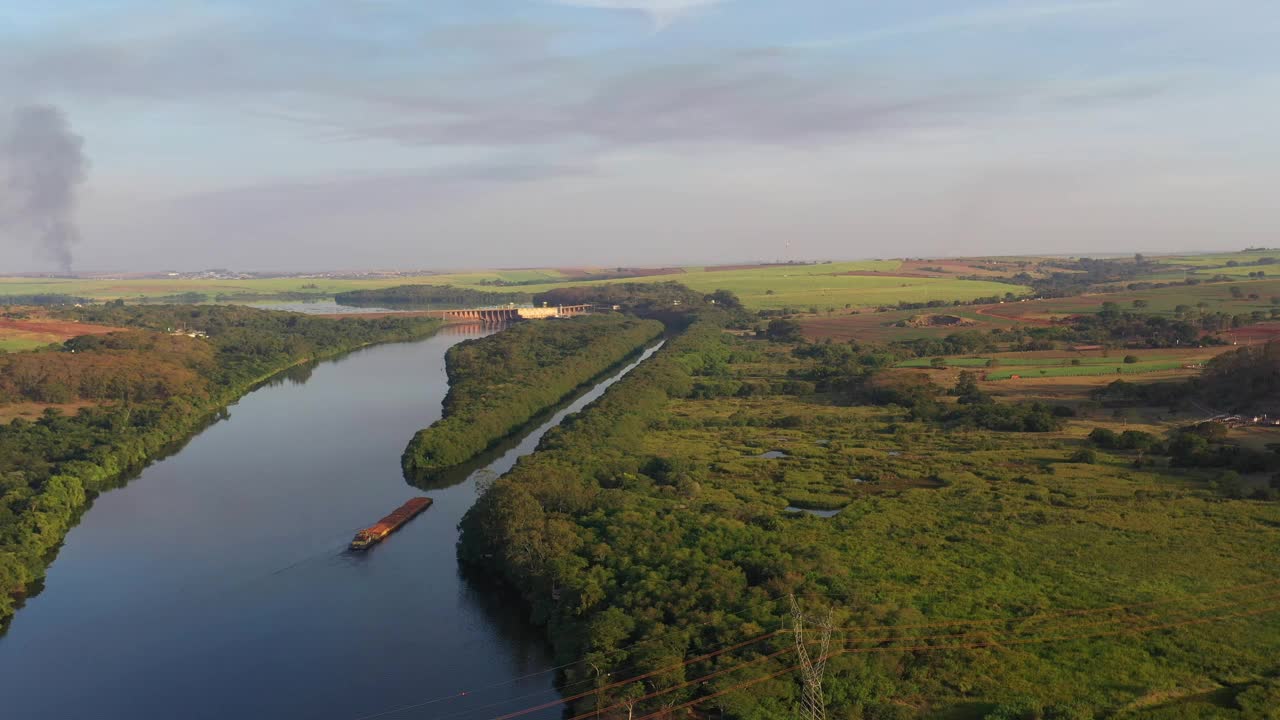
824	286
20	344
155	287
1073	365
774	287
1016	361
1217	297
1214	260
1115	368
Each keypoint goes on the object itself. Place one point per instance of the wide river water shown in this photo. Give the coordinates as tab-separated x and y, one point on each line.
217	583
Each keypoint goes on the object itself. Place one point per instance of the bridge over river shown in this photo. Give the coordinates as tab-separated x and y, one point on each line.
508	313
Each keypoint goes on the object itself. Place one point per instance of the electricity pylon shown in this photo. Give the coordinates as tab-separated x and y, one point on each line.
812	704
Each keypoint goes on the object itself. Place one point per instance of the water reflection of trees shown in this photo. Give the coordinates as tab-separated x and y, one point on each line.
296	375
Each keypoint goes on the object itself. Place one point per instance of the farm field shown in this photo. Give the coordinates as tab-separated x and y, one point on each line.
828	285
321	287
1048	376
825	286
1216	260
27	334
998	365
883	326
1217	297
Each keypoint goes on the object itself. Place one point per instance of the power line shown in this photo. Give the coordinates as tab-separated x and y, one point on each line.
823	657
565	666
756	681
644	676
812	701
761	638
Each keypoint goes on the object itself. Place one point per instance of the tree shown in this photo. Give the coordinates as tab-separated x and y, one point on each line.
1140	304
1236	292
726	299
1130	359
1104	438
938	363
784	330
967	389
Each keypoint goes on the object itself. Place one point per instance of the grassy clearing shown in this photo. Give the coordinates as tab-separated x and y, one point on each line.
1022	360
881	326
1139	368
14	344
1060	364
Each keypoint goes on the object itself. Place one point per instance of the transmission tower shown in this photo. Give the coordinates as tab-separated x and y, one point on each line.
812	704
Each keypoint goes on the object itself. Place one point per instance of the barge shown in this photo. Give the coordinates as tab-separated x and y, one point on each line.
375	533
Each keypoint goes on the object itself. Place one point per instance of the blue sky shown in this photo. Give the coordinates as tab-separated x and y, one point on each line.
314	134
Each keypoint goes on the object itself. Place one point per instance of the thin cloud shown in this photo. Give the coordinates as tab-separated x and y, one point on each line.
662	12
978	19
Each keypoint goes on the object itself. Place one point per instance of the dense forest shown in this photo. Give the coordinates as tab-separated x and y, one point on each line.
148	389
1029	575
500	382
428	295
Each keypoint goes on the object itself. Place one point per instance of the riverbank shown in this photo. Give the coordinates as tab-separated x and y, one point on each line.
55	465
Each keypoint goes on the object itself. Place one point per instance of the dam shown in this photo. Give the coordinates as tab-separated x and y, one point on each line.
508	313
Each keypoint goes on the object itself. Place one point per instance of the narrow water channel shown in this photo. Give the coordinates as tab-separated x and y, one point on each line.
217	585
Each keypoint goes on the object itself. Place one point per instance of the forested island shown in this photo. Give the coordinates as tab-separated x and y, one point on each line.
499	383
139	391
428	295
984	556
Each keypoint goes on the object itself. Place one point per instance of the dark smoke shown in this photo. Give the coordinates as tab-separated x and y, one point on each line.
41	165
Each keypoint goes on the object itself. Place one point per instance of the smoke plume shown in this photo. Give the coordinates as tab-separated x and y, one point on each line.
41	166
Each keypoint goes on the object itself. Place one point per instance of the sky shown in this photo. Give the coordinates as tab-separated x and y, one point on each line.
439	134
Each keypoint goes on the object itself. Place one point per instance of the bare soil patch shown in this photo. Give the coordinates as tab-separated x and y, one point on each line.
63	328
1014	312
32	411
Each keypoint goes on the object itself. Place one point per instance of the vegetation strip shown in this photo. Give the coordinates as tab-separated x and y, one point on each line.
428	295
497	384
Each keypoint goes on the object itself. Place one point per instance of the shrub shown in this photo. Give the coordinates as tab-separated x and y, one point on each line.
1104	438
1084	455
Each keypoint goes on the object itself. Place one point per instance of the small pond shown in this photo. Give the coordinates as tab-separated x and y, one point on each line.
816	513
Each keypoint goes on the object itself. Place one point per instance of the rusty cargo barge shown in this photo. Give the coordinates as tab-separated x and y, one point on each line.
377	532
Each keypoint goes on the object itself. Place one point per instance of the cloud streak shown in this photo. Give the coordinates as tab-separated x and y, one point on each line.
662	12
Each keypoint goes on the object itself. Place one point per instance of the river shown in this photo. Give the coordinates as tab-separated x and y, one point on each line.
216	584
